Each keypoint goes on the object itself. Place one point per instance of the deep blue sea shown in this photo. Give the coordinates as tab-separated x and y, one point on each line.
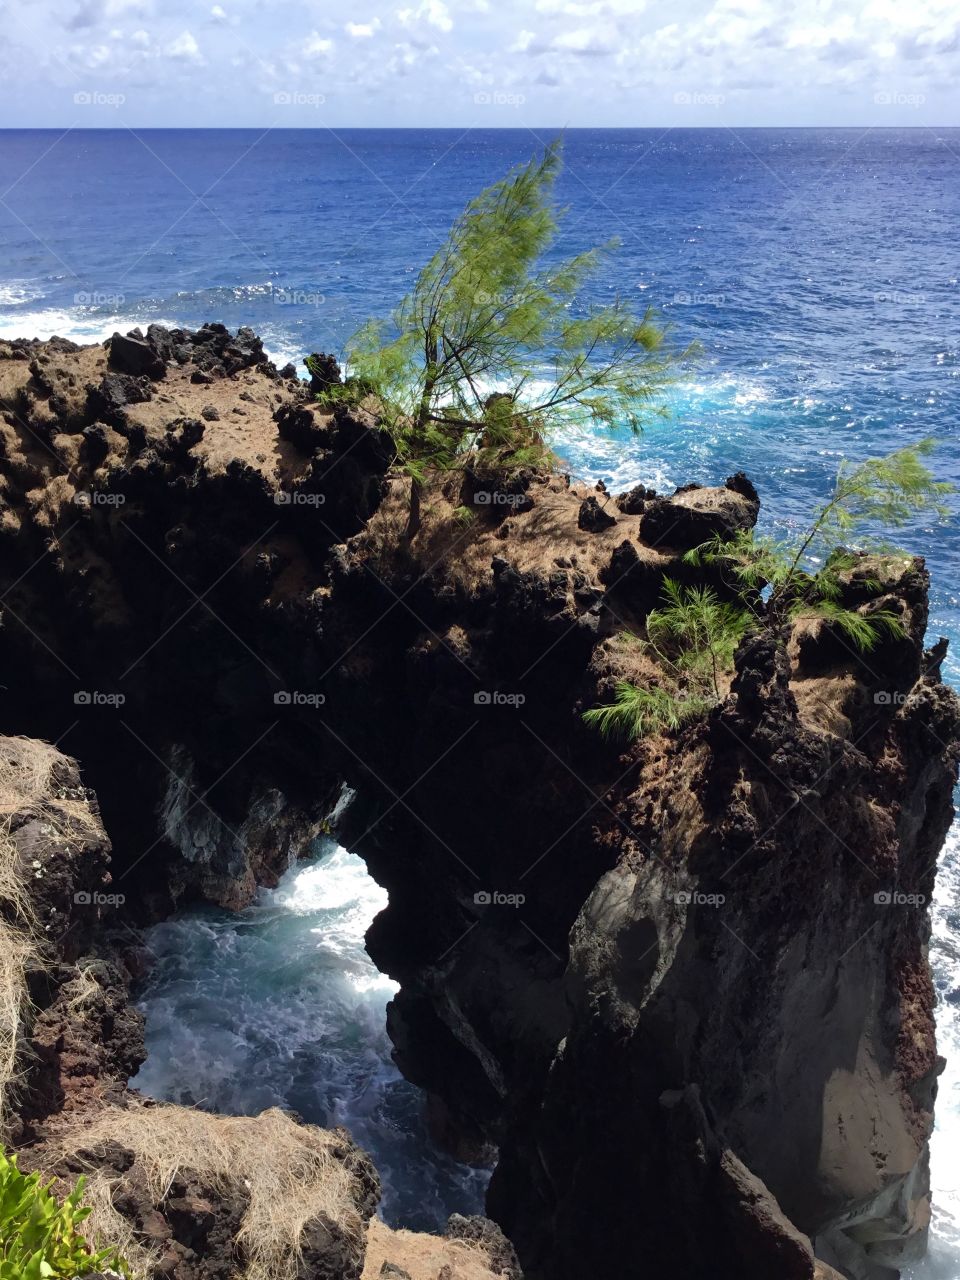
818	269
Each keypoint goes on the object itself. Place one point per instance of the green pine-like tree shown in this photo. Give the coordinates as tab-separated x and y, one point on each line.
493	347
694	636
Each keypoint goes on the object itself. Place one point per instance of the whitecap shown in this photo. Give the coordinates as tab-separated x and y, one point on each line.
18	293
79	325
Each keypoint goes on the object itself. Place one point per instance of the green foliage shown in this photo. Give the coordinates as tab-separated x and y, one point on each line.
635	711
485	313
881	493
695	635
884	492
864	631
39	1237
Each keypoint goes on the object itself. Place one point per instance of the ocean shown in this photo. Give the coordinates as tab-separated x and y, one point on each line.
816	268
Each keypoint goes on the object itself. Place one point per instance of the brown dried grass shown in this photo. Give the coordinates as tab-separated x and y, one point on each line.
423	1255
289	1170
27	790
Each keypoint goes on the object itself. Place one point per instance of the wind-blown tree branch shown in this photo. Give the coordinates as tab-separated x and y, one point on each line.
487	315
871	498
774	581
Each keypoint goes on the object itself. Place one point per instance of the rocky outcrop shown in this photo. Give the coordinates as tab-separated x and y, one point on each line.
746	950
694	513
185	1195
683	989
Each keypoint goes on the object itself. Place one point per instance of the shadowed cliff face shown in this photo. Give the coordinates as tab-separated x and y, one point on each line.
684	990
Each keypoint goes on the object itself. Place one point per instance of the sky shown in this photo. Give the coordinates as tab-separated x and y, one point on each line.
479	63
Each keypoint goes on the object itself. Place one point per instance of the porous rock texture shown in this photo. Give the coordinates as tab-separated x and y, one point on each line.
78	1038
681	989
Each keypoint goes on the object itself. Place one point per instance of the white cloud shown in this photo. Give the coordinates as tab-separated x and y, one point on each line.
362	30
434	12
593	61
588	40
316	45
523	42
406	56
592	8
185	49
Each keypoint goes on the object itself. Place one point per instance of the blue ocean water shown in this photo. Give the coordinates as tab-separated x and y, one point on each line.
817	269
280	1006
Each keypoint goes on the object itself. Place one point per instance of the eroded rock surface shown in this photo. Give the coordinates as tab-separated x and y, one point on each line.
664	983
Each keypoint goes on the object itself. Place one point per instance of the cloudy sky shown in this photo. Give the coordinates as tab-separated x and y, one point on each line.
479	62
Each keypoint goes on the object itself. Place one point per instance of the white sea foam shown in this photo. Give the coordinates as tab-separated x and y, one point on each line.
280	1005
77	324
941	1262
17	293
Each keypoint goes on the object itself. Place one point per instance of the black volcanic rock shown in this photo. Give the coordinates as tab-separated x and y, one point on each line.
592	516
694	514
324	372
134	356
654	976
633	502
109	399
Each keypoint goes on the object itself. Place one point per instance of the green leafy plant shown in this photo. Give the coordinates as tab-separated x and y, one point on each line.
694	635
635	711
39	1236
881	493
493	348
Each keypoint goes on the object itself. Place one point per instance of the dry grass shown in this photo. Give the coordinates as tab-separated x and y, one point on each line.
461	551
423	1255
289	1170
80	991
106	1228
27	790
48	504
17	955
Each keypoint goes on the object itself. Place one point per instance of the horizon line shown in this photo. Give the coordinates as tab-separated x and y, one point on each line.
486	128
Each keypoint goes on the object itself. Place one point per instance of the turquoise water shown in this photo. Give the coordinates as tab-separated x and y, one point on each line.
280	1005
